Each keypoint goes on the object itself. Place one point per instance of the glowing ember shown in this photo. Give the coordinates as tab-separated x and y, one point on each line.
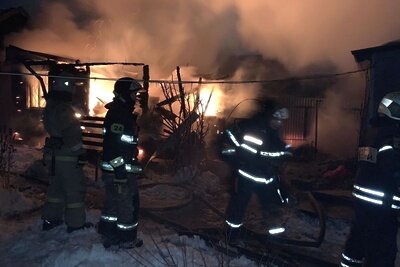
140	154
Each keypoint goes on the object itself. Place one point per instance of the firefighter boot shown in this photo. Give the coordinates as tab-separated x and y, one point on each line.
106	228
131	244
50	224
128	239
125	240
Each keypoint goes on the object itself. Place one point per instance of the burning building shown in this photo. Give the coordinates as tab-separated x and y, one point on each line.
218	99
44	68
32	79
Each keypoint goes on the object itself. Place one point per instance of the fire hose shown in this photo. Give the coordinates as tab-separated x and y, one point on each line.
271	245
285	241
189	196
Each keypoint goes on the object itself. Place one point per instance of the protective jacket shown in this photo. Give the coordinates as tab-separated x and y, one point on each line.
120	213
64	155
255	153
378	172
120	138
372	238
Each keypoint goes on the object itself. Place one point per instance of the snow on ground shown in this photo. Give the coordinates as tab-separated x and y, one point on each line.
14	203
22	243
27	245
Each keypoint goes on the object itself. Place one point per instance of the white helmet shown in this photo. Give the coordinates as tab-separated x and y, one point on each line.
390	105
281	114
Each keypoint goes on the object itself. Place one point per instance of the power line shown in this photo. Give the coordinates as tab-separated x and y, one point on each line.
300	78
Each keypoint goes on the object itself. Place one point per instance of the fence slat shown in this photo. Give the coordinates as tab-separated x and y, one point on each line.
93	135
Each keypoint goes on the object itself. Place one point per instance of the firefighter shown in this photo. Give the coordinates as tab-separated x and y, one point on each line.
119	219
64	156
372	238
255	151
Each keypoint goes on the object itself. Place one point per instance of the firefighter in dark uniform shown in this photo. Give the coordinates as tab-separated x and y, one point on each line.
119	219
255	151
65	156
372	239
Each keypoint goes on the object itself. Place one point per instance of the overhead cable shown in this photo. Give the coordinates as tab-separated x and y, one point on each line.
300	78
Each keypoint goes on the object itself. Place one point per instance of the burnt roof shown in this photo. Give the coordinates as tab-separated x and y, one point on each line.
15	54
366	53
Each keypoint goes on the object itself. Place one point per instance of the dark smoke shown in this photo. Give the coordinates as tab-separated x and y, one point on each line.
292	38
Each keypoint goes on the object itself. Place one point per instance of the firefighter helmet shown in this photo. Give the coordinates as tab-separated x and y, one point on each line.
272	110
390	105
125	87
281	114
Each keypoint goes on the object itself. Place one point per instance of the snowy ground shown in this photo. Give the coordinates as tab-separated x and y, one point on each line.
22	243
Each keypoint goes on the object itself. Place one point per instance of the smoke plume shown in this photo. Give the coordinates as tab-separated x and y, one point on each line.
304	37
200	33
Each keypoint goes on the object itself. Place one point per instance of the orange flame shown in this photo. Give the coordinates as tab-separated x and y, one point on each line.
211	95
100	94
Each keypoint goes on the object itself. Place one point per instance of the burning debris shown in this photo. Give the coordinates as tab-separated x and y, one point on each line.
183	115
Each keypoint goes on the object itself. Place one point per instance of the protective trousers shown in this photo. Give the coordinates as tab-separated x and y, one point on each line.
244	188
372	238
66	192
120	213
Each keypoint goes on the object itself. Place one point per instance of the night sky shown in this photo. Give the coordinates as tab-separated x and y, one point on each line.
27	4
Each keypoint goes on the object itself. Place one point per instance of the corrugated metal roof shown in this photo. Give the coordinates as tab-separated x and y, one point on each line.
366	53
